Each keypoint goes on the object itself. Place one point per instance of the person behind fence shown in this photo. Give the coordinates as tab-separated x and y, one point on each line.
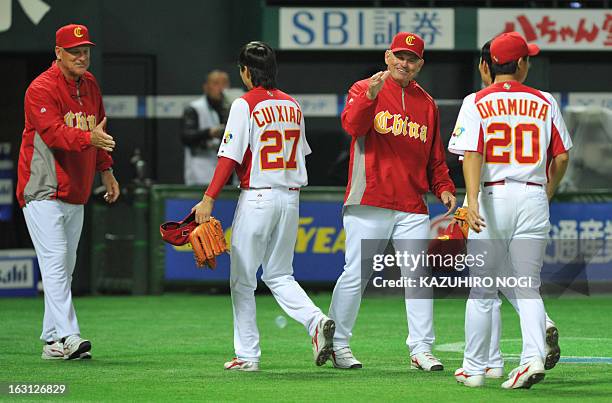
64	144
202	126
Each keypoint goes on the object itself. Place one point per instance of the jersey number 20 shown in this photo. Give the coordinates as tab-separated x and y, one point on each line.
272	155
494	156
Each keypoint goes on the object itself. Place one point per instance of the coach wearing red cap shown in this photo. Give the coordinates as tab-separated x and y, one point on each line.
64	143
397	156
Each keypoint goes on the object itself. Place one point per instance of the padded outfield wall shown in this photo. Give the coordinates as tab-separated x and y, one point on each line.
319	251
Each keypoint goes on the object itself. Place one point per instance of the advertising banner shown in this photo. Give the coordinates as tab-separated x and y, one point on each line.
579	231
551	29
363	28
18	273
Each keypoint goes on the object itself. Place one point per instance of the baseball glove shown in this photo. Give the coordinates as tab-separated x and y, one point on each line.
460	219
208	242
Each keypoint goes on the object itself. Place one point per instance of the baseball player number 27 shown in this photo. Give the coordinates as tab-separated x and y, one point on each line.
272	155
505	141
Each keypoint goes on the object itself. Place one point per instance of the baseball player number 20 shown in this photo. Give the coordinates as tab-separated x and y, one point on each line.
505	141
272	155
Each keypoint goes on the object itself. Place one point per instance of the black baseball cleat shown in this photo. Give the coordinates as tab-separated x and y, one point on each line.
553	351
75	346
322	341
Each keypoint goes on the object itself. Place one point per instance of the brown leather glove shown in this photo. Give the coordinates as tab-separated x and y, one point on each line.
208	242
460	218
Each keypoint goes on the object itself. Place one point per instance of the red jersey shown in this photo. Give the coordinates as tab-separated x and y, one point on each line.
56	159
397	154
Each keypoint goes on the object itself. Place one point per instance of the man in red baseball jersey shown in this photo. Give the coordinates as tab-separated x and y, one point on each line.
64	143
397	156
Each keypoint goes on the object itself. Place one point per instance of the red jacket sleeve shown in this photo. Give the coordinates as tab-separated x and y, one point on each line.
103	158
225	167
437	170
358	114
44	114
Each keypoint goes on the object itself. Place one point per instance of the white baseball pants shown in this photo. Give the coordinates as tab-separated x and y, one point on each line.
367	222
55	229
263	234
496	359
513	212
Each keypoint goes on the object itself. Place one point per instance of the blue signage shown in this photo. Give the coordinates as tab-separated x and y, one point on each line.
18	273
319	250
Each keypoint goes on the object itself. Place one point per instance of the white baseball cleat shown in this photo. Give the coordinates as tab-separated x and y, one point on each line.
526	375
473	381
553	351
53	351
426	362
237	364
322	341
74	346
494	373
343	358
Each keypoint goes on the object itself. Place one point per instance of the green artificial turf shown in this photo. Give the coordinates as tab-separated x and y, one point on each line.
172	347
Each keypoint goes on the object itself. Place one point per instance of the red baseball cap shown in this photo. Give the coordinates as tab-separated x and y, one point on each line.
408	41
511	46
72	35
177	233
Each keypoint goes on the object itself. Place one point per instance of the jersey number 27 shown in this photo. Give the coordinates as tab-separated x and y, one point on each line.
272	153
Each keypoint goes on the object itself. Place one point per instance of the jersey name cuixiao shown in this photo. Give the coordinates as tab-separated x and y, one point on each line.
265	135
518	129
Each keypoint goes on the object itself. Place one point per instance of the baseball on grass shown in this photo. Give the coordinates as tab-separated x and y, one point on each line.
281	321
